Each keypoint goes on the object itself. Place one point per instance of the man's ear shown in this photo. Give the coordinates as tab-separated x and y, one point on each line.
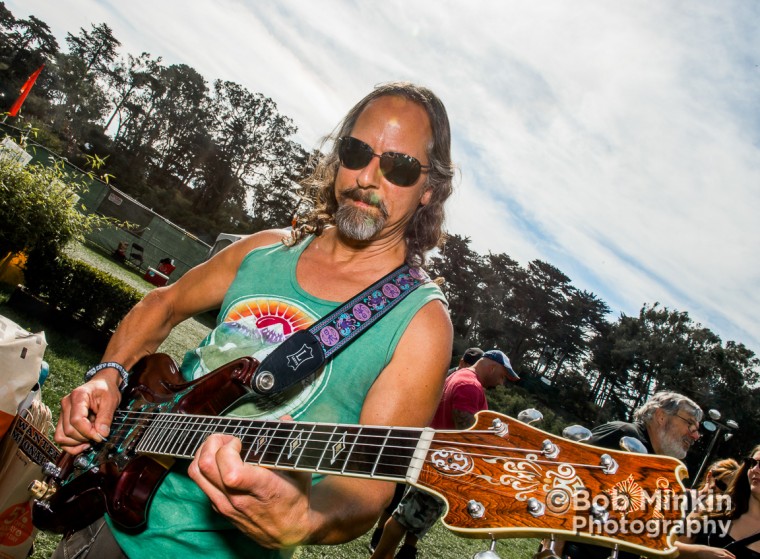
426	197
659	415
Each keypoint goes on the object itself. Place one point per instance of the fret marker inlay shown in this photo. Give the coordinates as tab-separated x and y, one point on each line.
338	448
260	442
295	444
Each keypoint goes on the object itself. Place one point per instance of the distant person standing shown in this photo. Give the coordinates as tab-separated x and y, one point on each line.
464	395
469	357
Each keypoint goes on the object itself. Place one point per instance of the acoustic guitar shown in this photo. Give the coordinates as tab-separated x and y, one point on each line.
500	478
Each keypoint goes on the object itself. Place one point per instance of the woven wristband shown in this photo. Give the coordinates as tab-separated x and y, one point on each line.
108	365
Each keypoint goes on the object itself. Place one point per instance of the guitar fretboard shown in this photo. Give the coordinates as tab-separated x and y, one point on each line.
391	453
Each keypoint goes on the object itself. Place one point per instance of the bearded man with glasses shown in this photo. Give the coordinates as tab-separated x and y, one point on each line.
380	192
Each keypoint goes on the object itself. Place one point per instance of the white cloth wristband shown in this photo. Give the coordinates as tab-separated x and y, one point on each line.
109	365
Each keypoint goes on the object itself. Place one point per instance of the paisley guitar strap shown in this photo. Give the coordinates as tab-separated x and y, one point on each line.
303	353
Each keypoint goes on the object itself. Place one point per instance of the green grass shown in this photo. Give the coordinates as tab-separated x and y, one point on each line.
440	543
94	257
69	359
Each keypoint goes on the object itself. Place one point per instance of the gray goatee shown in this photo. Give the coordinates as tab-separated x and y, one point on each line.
358	223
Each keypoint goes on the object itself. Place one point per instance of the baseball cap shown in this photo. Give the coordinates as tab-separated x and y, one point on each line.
471	355
502	359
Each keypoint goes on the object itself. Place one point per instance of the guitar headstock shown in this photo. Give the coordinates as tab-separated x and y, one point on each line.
508	479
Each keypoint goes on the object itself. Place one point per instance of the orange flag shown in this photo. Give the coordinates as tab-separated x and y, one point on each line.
25	89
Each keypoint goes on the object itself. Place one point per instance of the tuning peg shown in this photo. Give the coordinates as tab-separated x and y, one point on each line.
530	415
576	433
548	553
38	489
633	445
490	553
51	470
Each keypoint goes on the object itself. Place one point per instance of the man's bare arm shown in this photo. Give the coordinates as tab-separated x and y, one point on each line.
139	334
462	419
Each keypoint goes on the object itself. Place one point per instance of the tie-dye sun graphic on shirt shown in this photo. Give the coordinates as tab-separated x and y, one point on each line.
255	327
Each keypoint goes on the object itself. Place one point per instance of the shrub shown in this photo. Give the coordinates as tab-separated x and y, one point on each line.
37	208
78	289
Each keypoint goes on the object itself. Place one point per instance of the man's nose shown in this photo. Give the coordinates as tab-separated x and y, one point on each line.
371	175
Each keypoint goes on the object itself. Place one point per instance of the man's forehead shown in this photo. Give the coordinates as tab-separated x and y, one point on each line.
687	413
394	109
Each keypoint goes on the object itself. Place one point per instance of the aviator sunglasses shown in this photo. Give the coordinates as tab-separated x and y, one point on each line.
398	168
751	462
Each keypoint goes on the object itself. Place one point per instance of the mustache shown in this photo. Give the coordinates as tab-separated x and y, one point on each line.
360	195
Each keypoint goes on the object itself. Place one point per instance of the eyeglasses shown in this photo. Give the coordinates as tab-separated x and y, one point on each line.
398	168
693	425
751	462
721	485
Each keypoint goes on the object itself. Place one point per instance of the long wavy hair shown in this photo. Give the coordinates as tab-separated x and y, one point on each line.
425	229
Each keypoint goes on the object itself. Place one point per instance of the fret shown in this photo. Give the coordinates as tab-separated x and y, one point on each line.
294	445
252	444
304	445
290	443
397	452
337	450
363	460
315	446
353	446
154	433
165	433
380	452
179	435
196	437
271	451
147	437
240	430
263	441
318	467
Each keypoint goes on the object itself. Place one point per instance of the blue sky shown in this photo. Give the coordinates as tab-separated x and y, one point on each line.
619	141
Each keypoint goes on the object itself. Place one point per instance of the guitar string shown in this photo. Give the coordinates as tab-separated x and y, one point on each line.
183	419
170	423
502	490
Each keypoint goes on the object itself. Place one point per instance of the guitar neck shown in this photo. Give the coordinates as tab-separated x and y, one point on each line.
387	453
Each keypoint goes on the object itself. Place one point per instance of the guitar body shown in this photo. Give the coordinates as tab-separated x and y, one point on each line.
114	478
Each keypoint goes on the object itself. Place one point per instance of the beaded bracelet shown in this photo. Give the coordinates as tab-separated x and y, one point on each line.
108	364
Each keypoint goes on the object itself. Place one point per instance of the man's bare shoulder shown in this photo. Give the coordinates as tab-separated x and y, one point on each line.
265	238
431	327
239	249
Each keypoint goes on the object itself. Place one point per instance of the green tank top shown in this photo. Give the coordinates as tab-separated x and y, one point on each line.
263	306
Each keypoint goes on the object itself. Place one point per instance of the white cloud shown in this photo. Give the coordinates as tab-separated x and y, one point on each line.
618	141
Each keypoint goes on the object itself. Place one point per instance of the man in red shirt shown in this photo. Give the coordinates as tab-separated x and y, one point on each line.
464	394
